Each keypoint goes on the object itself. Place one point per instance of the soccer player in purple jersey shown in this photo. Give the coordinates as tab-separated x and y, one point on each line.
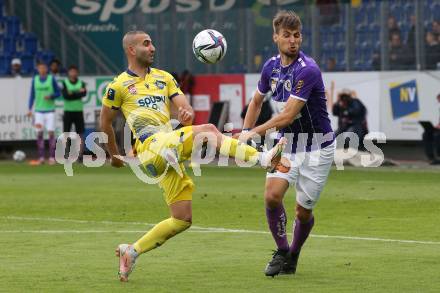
294	80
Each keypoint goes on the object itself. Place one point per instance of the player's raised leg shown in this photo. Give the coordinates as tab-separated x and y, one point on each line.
228	146
277	220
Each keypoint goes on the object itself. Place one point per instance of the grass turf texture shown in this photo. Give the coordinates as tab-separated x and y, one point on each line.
377	203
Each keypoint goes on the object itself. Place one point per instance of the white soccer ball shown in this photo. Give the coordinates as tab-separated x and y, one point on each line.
209	46
19	156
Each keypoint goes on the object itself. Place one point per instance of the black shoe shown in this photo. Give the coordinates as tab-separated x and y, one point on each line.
289	267
277	263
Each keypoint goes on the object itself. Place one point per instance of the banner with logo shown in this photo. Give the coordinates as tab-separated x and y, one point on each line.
14	96
405	99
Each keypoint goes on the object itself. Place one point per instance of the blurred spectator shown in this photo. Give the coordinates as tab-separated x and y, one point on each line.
331	64
431	141
393	27
73	91
16	67
398	53
432	51
436	28
55	67
187	84
352	115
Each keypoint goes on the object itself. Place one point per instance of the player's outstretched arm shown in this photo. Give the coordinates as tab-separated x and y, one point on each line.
106	119
290	112
186	112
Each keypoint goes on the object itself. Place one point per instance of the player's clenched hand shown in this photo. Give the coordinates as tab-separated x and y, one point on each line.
116	162
185	116
29	114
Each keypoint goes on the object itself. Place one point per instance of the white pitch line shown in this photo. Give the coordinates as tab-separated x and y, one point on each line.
193	229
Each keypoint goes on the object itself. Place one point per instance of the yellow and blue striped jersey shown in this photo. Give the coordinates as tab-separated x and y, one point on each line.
145	103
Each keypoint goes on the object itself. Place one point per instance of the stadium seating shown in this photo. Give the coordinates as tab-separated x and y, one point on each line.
15	43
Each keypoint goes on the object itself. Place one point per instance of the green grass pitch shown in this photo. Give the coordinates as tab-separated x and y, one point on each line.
58	233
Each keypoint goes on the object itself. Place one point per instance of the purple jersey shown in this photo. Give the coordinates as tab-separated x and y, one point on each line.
301	80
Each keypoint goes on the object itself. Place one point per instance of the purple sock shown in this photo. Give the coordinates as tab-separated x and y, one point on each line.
40	145
276	218
52	145
300	234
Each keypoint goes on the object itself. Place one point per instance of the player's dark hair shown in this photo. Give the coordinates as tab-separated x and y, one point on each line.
286	19
55	60
73	67
40	62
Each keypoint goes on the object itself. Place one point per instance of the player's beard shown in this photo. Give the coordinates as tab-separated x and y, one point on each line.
143	60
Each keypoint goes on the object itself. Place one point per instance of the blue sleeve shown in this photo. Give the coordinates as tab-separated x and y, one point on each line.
56	89
32	95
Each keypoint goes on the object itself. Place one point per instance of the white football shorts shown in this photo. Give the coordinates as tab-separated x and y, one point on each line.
47	119
308	172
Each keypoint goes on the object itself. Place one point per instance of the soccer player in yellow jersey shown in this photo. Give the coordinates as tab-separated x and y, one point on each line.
144	94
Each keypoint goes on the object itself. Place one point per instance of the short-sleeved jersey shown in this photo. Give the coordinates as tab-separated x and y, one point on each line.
145	103
301	80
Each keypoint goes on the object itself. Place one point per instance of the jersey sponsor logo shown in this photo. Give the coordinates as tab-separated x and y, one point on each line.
160	84
151	101
111	94
288	85
299	86
132	89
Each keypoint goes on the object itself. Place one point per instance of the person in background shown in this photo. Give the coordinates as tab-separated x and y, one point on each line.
436	28
55	67
393	27
44	90
352	115
399	57
432	51
331	64
16	67
431	142
73	90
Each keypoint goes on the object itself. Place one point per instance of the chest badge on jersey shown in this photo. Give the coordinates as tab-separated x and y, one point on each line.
288	85
132	89
147	86
160	84
273	84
